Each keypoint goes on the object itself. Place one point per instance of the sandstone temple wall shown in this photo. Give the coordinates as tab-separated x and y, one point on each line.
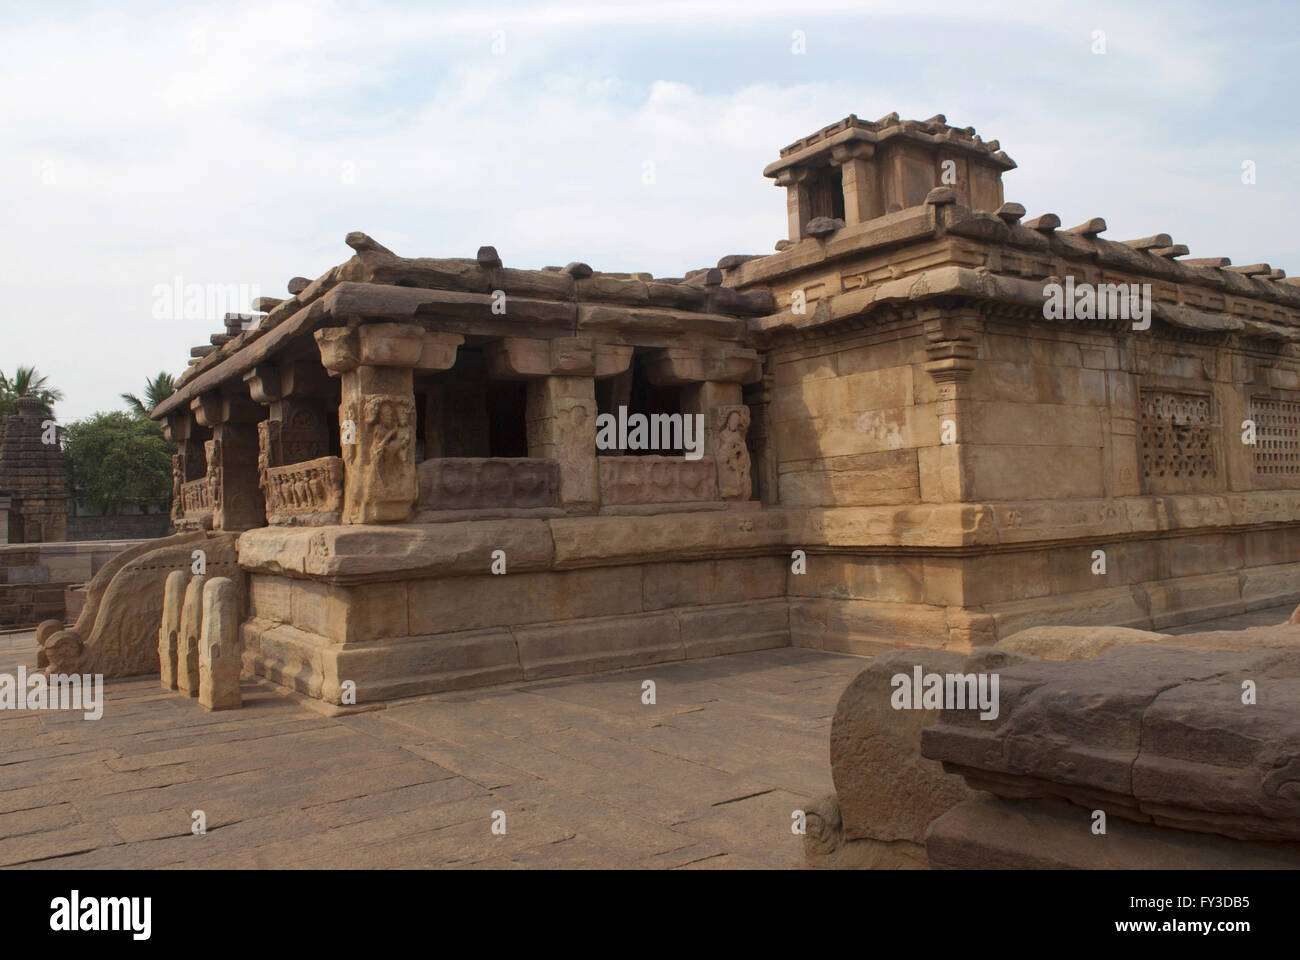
901	445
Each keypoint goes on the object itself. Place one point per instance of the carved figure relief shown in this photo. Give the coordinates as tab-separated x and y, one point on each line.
309	492
732	422
178	479
212	450
391	448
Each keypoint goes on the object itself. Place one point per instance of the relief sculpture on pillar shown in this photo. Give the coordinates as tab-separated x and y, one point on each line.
178	478
212	450
732	423
303	433
388	471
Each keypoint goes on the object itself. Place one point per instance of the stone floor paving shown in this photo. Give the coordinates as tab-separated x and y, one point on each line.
586	774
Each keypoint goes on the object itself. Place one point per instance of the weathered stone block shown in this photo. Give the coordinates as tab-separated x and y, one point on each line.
588	646
220	654
712	581
169	629
734	628
187	648
473	603
885	789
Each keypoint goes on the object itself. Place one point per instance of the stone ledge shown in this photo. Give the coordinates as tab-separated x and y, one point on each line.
362	552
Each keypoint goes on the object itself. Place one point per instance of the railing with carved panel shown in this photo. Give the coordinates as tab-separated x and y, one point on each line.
651	479
307	493
487	483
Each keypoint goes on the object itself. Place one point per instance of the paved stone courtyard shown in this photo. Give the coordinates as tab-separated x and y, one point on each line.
587	775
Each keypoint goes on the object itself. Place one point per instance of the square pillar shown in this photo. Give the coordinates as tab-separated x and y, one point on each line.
726	421
860	203
798	199
561	420
231	459
376	363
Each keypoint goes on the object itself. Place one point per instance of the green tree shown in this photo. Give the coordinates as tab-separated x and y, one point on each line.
25	380
115	458
156	390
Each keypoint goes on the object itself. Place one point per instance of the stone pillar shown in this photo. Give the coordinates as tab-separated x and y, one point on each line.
561	403
231	456
798	199
188	463
860	200
763	439
561	415
32	475
377	413
712	380
952	335
170	628
296	427
187	644
220	655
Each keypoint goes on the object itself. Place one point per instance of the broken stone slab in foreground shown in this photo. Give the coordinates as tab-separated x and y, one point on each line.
1203	743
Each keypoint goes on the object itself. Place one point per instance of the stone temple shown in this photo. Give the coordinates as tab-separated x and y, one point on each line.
904	444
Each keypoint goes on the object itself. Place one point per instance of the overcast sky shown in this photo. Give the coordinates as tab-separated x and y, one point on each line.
238	143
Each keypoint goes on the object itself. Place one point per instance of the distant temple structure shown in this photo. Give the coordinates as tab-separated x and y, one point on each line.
33	487
904	444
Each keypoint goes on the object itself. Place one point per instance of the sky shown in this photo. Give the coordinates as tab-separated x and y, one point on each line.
145	146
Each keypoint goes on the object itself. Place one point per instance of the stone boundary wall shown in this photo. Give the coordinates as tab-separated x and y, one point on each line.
35	576
141	526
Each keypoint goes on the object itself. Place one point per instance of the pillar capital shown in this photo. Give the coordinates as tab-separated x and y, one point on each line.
520	358
675	366
853	150
386	345
213	408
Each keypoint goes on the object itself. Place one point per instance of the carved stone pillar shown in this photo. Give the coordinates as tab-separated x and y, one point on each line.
762	438
188	462
798	199
561	402
377	419
561	421
860	192
231	458
296	431
296	428
712	381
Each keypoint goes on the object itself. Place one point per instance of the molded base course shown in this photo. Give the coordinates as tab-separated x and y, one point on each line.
410	666
481	642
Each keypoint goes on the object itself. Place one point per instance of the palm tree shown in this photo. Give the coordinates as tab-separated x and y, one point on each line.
25	380
156	390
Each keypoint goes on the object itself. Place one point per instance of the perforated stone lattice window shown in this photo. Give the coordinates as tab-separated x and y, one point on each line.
1277	436
1177	436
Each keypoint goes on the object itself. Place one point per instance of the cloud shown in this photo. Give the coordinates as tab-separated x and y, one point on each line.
238	145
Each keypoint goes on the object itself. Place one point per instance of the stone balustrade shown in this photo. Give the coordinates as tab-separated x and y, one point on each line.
650	479
196	499
484	483
308	493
